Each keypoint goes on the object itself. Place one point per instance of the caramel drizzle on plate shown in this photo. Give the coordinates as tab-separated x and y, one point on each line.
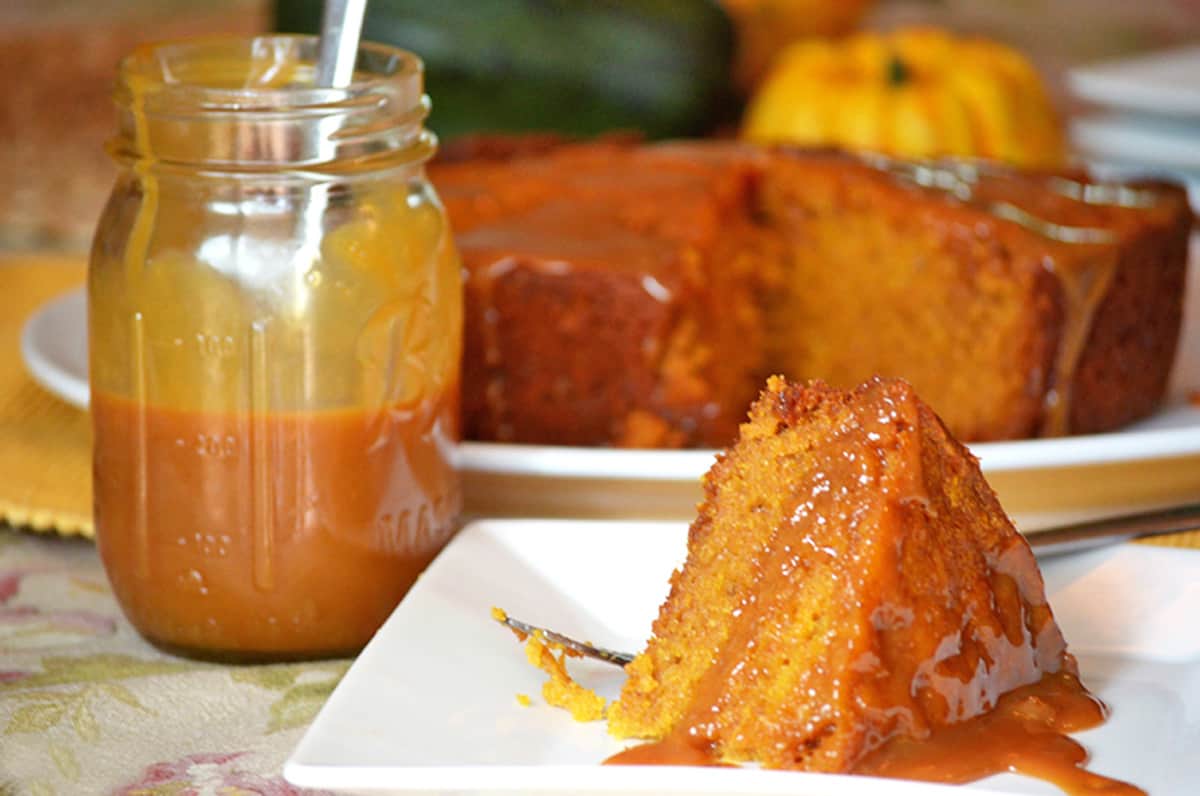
1025	733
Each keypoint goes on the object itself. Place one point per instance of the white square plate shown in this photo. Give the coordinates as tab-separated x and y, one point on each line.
430	705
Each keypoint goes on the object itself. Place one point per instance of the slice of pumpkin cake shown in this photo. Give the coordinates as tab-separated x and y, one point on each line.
850	579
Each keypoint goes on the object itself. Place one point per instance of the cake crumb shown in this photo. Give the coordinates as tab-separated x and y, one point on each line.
501	616
561	690
523	700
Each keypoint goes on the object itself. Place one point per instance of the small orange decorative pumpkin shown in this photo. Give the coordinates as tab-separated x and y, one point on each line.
915	92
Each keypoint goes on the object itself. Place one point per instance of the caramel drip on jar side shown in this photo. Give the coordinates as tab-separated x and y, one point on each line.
137	256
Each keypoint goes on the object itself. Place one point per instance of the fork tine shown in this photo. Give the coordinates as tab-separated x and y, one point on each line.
583	648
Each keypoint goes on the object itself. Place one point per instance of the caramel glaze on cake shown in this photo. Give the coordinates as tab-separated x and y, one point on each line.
613	296
854	599
631	295
1018	304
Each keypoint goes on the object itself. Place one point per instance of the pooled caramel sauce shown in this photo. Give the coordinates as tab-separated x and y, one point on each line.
1025	733
674	750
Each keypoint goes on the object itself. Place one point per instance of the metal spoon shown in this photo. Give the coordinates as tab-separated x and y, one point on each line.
341	29
1052	541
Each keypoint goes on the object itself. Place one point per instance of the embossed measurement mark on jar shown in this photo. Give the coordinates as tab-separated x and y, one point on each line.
207	544
192	580
217	446
216	345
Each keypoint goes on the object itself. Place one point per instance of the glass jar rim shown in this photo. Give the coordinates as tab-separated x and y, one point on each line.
169	71
233	102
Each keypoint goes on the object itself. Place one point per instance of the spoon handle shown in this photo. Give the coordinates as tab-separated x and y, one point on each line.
1096	533
341	28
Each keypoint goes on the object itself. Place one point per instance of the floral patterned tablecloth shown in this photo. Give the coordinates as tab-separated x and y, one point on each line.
87	706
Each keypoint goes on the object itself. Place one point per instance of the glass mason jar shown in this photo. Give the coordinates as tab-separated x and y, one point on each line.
275	325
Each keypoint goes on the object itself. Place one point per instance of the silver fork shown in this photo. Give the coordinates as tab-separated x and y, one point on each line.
582	647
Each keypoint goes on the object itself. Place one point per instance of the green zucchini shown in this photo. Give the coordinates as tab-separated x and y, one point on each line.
579	67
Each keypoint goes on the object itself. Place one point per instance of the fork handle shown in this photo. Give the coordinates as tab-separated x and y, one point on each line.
1110	530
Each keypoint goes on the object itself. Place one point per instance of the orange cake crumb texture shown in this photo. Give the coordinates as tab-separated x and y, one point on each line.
638	295
853	577
561	690
612	294
855	599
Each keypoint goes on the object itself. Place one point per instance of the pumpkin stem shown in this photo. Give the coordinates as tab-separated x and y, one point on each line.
898	72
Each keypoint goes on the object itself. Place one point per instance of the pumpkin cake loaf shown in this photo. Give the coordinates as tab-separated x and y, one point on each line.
1017	304
634	295
614	296
851	586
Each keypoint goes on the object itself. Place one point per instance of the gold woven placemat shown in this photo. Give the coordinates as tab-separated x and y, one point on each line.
1188	539
45	443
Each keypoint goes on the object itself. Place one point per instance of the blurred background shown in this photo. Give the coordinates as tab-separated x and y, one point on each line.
57	62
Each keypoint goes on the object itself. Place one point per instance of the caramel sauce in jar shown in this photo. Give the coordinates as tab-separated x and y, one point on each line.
302	554
275	329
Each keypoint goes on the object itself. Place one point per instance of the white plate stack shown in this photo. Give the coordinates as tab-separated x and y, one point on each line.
1147	117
